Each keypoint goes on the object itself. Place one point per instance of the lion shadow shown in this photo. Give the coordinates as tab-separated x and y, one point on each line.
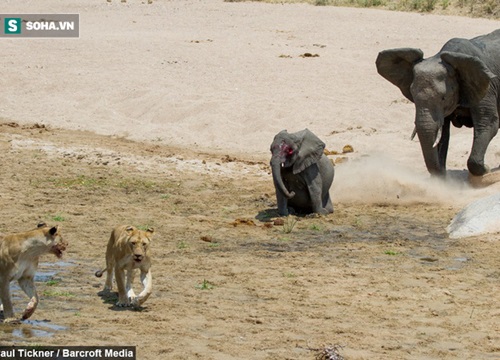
111	297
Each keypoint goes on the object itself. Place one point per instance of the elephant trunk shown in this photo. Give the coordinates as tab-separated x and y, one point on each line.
278	180
429	126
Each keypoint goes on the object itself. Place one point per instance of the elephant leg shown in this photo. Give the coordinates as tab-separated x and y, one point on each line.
327	203
282	202
327	171
485	128
314	183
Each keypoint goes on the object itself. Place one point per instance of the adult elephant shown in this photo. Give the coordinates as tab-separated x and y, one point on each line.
302	174
458	85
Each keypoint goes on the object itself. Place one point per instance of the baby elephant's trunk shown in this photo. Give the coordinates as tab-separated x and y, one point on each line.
278	181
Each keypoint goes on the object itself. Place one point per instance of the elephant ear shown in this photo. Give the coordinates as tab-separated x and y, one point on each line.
310	150
396	65
473	76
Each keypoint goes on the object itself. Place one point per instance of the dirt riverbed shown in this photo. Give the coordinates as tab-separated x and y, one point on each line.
382	280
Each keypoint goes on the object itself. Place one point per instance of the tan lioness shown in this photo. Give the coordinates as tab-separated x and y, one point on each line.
19	255
128	249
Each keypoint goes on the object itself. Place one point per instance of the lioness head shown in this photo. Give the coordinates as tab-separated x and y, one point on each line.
54	239
139	242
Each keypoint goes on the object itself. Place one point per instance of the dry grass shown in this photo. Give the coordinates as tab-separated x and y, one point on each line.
474	8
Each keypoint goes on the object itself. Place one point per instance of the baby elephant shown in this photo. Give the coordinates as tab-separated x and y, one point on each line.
302	174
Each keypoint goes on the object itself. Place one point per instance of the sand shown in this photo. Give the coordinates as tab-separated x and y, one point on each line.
180	100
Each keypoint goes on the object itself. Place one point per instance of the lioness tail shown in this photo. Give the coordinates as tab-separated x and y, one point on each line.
99	273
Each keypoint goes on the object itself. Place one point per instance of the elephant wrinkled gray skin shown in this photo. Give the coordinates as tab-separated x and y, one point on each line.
302	174
458	85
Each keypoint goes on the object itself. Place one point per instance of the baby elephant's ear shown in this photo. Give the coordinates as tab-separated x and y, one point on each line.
310	150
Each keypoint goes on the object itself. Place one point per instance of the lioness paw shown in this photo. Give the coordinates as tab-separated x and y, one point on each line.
123	303
137	302
12	321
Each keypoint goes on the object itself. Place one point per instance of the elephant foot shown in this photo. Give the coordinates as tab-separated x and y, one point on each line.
477	169
323	211
286	212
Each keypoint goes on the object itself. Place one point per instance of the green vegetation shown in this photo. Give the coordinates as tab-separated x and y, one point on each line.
57	293
58	218
475	8
52	282
315	227
127	184
391	253
182	245
205	285
145	227
80	180
289	224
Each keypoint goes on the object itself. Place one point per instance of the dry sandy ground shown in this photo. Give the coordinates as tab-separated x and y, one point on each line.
202	87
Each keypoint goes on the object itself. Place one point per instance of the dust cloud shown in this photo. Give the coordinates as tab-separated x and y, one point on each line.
378	178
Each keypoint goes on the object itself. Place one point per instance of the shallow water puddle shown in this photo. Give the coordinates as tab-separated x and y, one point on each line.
32	328
47	271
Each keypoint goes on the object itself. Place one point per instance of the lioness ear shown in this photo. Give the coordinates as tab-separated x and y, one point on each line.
53	230
129	229
41	224
150	231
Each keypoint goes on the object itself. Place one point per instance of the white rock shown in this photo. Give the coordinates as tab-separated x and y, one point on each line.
479	217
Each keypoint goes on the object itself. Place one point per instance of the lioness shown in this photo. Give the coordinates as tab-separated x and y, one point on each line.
128	249
19	255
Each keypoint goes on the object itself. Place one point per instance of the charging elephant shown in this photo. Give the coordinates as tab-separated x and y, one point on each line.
302	174
458	85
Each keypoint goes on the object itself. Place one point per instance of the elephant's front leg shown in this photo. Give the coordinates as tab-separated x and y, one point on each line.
282	202
28	286
485	129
